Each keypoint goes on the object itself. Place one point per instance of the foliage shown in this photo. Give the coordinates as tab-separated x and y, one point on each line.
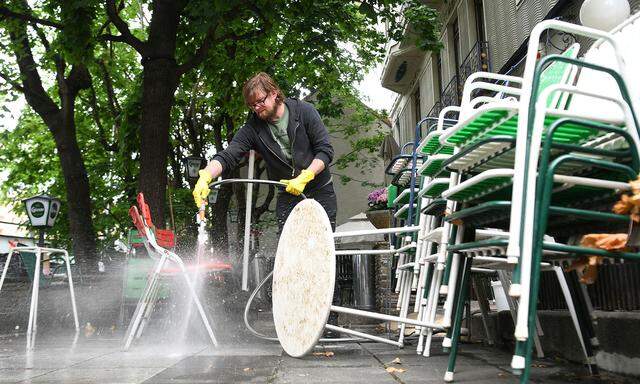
424	21
323	47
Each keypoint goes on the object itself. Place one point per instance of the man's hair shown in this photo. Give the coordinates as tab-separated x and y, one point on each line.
261	81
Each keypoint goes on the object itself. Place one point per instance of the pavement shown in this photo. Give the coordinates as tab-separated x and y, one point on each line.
242	358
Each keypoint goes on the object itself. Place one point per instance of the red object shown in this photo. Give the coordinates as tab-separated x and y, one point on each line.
146	212
137	220
213	266
165	238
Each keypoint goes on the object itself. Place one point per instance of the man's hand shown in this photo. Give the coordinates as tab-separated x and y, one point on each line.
296	186
201	190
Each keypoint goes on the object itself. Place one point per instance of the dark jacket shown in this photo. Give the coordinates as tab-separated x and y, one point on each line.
309	140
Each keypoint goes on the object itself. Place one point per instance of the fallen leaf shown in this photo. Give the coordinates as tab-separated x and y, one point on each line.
538	365
325	354
395	370
247	369
396	361
89	330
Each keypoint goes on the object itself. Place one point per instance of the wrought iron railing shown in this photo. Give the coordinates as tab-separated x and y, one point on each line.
617	288
451	93
476	60
435	110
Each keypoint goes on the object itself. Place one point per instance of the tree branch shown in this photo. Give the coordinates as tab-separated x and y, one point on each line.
125	34
201	52
102	138
16	85
33	90
114	106
6	12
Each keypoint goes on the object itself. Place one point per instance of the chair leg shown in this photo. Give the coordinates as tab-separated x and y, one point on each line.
72	292
583	310
195	298
454	272
423	299
151	304
432	306
5	269
142	304
457	324
33	310
483	301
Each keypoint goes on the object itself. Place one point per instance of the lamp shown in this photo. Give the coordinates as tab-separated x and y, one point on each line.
192	165
42	211
604	14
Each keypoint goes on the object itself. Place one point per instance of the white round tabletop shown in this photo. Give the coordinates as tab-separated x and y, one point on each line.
303	278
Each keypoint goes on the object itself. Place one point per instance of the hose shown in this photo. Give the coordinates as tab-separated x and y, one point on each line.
259	286
265	337
218	183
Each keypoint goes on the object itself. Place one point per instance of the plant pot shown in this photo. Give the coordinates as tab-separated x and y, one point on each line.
380	218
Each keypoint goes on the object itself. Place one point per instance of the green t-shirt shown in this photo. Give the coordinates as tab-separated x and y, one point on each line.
279	133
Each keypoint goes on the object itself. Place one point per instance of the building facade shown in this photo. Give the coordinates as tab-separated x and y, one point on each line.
476	35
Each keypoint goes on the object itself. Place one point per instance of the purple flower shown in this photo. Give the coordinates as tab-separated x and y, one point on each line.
378	198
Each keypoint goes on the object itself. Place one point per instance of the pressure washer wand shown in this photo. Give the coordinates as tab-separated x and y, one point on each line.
202	234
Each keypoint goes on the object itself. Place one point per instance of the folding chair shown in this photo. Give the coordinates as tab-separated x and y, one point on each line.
145	305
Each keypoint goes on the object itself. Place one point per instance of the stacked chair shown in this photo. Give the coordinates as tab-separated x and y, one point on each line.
521	160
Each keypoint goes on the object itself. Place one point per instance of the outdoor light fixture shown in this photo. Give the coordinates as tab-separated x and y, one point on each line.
604	14
42	211
192	165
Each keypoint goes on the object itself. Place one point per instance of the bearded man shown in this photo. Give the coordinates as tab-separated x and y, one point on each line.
289	135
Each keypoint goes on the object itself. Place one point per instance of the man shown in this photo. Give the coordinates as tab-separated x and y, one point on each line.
293	142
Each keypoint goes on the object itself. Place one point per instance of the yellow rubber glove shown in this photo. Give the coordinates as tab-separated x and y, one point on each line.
201	190
296	186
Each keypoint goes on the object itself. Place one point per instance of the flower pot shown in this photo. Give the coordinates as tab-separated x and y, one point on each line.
380	218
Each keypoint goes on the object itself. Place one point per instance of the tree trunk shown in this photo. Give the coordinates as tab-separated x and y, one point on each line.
77	191
160	80
61	124
159	86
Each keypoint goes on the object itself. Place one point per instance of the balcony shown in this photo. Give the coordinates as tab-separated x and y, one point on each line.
401	67
476	60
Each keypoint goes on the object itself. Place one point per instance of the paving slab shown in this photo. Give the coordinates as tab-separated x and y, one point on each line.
242	358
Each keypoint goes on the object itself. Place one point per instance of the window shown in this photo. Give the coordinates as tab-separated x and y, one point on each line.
479	11
456	45
416	105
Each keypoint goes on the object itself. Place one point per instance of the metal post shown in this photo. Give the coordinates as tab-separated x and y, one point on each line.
41	237
247	223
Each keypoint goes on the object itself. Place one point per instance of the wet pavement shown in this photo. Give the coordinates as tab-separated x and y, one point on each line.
99	359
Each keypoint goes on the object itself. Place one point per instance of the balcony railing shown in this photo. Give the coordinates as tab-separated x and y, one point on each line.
451	93
476	60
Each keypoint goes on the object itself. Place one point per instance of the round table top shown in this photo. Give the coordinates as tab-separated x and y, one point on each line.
303	278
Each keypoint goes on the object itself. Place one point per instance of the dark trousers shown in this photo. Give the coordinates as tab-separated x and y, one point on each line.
326	196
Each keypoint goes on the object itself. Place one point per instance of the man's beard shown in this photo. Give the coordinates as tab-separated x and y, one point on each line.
271	114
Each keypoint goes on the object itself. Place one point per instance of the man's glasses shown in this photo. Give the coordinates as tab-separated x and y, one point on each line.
259	102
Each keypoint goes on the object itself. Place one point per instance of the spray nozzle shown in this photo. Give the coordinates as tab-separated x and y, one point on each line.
200	217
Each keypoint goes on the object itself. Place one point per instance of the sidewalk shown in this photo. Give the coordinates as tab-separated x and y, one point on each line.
244	359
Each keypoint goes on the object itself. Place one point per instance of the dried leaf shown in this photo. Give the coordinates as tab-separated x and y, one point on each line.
538	366
325	354
247	369
395	370
396	361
